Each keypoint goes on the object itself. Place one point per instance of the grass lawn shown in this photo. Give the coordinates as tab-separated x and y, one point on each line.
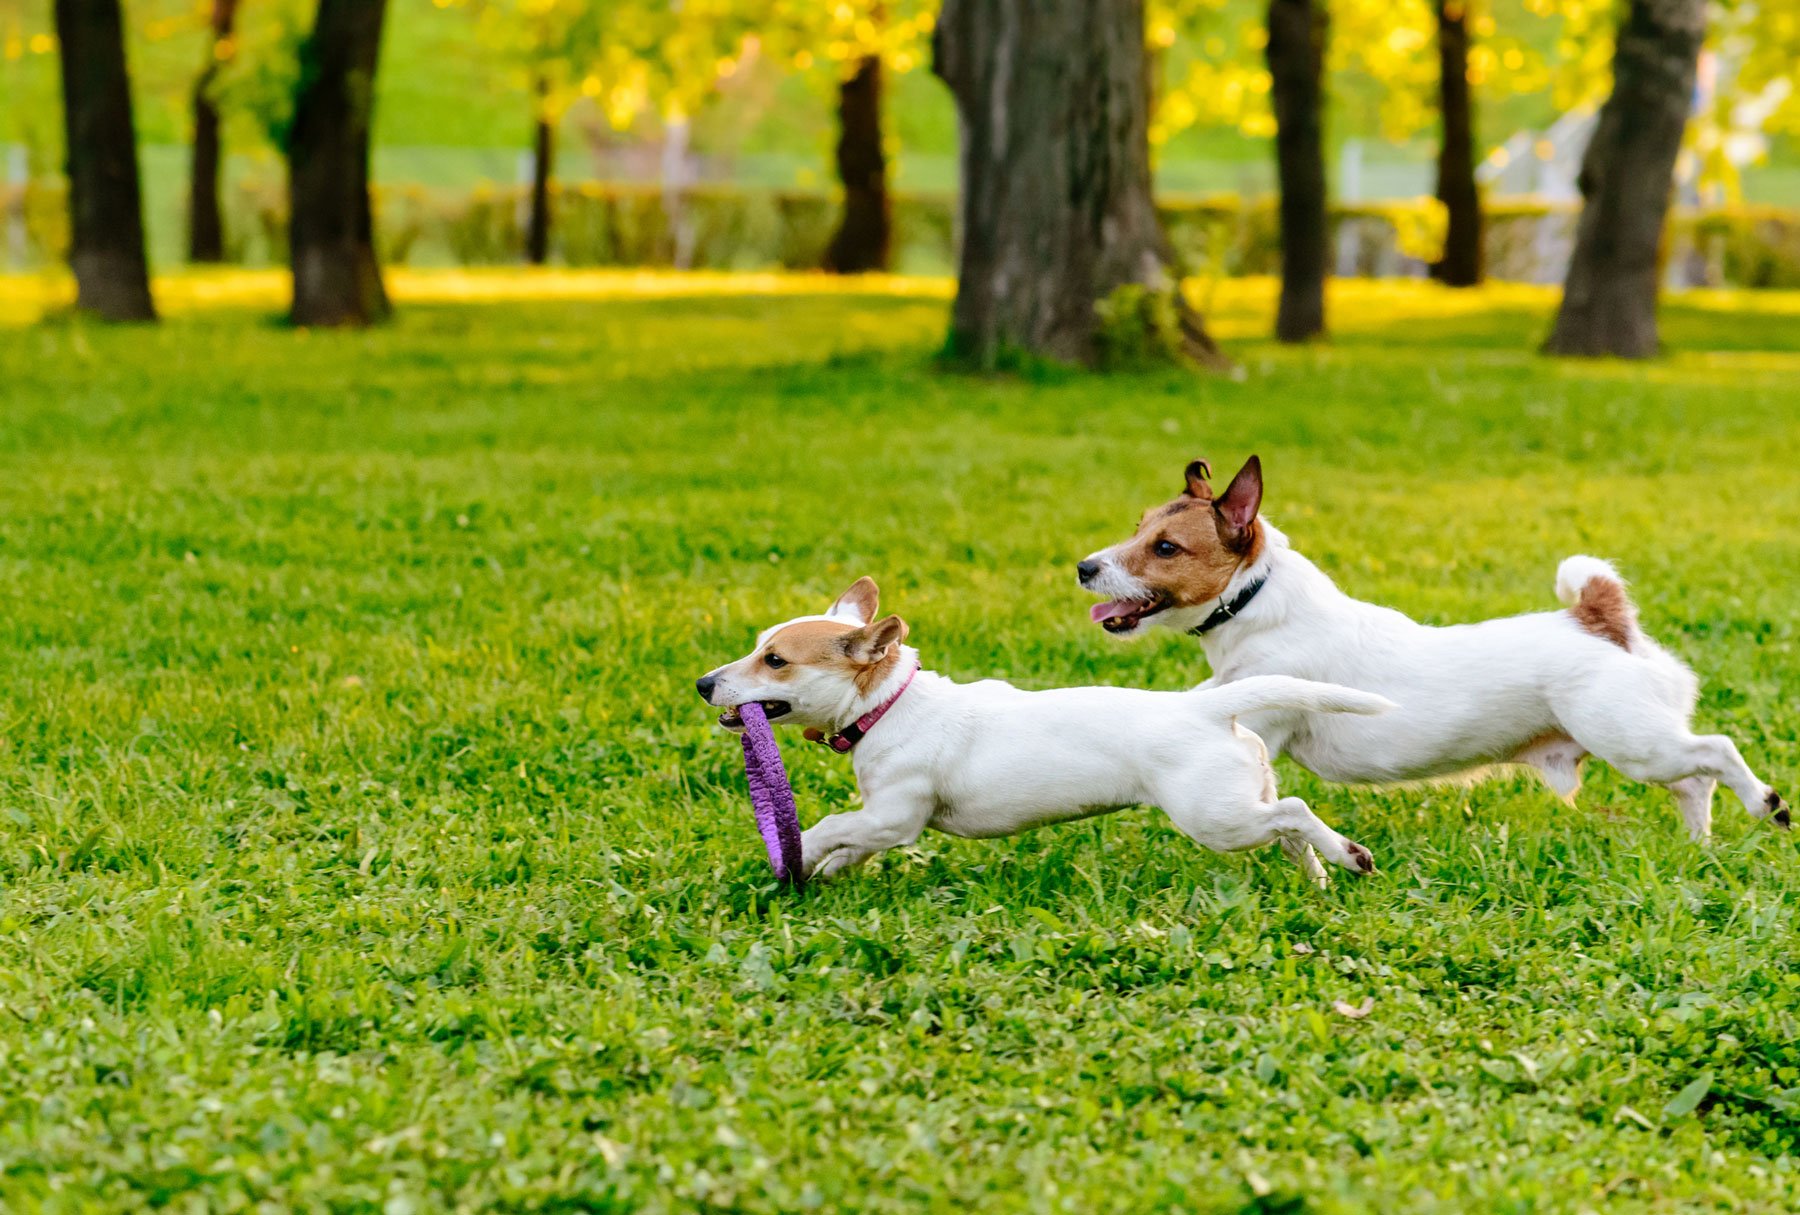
363	845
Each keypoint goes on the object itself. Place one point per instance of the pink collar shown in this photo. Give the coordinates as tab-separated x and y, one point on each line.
850	735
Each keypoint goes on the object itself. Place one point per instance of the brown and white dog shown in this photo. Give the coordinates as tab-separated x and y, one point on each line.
1543	690
987	759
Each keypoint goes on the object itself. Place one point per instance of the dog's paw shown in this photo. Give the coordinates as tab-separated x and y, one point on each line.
1361	858
833	863
1778	810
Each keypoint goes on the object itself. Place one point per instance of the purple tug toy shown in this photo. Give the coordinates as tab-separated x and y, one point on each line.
771	795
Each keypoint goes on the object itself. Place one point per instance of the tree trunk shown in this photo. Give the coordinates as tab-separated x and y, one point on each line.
864	238
1627	175
106	249
206	228
1056	213
1461	265
331	231
543	164
1296	52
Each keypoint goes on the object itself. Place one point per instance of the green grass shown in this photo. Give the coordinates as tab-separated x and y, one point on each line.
364	847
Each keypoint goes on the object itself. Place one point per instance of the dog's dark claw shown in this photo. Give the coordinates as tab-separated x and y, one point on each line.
1365	860
1779	812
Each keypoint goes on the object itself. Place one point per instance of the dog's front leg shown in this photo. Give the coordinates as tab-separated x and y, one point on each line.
891	820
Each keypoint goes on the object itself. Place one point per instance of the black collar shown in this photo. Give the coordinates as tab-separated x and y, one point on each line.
1226	611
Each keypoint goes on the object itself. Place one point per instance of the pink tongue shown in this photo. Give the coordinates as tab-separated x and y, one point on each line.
1115	607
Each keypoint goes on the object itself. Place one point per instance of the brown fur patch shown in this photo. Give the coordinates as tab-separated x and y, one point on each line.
869	678
1254	549
810	643
820	643
1605	610
1202	568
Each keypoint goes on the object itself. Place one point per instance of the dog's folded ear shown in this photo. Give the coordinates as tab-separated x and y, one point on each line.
856	605
874	642
1198	474
1236	508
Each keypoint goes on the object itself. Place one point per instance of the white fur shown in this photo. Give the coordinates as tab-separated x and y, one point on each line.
1534	690
988	759
1576	572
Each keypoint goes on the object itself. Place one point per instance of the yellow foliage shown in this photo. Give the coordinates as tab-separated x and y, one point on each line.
1390	45
1419	230
808	34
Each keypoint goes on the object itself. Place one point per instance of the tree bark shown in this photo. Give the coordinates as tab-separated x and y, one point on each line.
1461	265
1056	213
1296	54
864	238
331	233
1627	176
543	164
206	227
106	250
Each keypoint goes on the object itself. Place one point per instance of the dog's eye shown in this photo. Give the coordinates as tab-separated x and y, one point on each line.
1165	548
774	660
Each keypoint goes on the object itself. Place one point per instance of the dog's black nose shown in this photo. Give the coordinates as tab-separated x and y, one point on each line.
1086	570
705	685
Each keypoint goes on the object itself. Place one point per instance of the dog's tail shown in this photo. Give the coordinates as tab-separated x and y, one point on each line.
1260	692
1596	597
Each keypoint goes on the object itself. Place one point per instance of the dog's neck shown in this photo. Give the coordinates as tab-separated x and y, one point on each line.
1253	573
856	704
1291	589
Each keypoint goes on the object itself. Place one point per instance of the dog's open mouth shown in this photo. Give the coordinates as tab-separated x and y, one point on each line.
774	710
1123	615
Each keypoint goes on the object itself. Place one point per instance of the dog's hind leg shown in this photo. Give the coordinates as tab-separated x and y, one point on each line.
1234	804
1693	795
1717	756
1708	757
1634	715
1288	821
1294	816
1304	855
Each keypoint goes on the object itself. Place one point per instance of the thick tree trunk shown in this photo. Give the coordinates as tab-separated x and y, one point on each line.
1056	213
543	164
331	232
1461	265
206	227
1296	52
865	236
1627	175
106	250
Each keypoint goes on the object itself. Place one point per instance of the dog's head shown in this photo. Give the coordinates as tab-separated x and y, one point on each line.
1182	557
811	670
